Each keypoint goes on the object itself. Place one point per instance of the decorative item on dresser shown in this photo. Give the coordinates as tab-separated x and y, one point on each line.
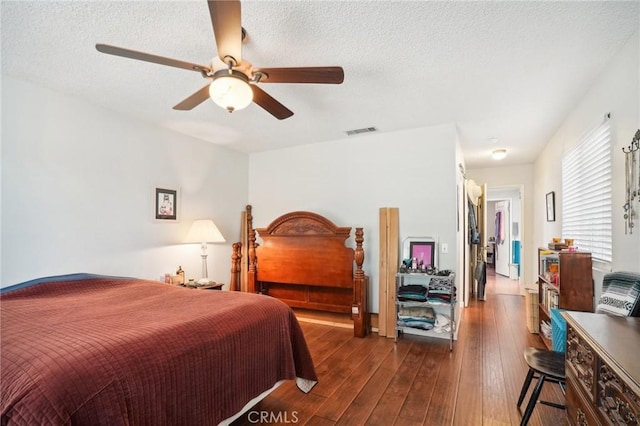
304	262
602	369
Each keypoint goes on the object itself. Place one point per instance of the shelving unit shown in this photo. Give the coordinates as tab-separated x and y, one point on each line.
564	282
424	300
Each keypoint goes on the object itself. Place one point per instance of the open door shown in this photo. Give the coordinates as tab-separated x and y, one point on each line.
503	237
482	220
480	275
476	242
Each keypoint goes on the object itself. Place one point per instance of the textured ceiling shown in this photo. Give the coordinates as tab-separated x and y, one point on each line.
505	70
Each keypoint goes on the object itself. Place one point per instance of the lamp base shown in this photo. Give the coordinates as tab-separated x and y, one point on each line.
205	275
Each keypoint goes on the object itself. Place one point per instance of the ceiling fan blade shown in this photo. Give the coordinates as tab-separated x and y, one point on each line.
141	56
322	75
227	28
194	100
269	104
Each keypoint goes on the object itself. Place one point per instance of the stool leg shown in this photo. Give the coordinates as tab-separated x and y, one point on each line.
525	387
532	401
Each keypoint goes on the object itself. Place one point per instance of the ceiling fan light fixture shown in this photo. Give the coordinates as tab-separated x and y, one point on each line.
231	90
499	154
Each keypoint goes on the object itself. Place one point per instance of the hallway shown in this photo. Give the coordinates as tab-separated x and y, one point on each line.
500	284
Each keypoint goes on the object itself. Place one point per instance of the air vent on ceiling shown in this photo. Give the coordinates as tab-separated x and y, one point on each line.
359	131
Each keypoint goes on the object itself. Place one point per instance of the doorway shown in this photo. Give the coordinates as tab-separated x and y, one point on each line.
502	236
504	219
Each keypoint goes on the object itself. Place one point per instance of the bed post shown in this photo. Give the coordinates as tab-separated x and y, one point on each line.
236	255
251	276
244	258
359	311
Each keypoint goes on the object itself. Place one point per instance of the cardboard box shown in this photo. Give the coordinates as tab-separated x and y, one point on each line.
531	309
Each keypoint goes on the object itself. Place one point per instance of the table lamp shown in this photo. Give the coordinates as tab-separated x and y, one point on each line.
204	231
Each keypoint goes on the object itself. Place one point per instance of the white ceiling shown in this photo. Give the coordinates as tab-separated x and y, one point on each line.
505	70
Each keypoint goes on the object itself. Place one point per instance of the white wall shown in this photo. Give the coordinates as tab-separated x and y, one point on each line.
616	90
348	180
77	184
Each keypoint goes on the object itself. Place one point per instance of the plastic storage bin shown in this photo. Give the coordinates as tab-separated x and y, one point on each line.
558	330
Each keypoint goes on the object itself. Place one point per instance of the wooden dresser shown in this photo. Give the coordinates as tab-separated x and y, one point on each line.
602	369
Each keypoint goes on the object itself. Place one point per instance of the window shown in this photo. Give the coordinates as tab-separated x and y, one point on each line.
586	194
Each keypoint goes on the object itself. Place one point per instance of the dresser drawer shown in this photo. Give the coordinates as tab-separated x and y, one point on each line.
579	410
582	361
602	369
615	401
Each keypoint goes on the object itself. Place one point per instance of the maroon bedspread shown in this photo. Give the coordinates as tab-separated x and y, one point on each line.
132	352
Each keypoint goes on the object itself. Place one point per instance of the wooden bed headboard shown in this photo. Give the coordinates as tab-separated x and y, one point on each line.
304	262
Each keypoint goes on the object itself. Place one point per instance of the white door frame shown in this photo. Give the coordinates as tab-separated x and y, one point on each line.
518	215
502	250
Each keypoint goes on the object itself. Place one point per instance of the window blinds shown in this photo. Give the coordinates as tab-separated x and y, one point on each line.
586	194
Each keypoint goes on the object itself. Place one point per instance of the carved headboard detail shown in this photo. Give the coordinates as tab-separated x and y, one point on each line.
303	223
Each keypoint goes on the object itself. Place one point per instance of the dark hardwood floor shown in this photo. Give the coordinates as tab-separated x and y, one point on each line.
418	381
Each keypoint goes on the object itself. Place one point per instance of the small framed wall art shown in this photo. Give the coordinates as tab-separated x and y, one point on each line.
166	204
551	206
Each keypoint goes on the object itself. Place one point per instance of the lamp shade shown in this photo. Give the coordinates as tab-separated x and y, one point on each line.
204	231
231	90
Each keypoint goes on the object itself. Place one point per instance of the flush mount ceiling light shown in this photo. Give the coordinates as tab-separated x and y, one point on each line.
499	154
231	90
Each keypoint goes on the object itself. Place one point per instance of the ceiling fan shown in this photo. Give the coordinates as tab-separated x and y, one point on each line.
235	86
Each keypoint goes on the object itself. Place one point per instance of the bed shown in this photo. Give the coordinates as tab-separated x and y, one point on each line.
303	260
91	350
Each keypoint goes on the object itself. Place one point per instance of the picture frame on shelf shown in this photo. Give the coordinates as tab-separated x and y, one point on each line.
422	248
551	206
166	204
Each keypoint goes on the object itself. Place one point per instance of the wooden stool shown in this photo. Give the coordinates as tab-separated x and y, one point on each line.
549	366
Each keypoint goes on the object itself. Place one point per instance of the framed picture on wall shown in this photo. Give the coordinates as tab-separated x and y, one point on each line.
551	206
166	204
